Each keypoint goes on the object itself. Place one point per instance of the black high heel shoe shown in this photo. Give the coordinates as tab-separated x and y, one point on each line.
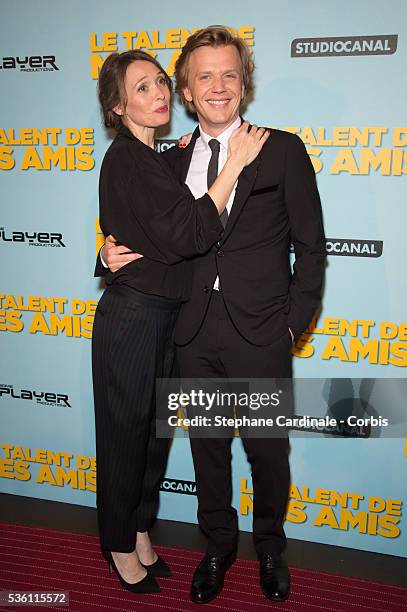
158	569
147	585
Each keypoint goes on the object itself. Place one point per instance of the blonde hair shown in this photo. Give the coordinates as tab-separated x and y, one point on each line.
212	36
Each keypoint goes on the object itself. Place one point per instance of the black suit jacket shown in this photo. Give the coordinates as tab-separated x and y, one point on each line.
276	203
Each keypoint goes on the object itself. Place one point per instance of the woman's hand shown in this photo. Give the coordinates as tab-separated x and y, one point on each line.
244	145
183	141
243	148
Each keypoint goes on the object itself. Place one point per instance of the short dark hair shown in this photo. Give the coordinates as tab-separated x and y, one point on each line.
212	36
111	84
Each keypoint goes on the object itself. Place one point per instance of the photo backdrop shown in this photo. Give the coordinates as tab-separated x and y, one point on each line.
334	73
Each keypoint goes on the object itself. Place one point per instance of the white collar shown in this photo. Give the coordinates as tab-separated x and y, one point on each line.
223	138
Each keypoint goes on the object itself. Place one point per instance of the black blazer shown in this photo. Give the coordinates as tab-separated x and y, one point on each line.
276	203
147	209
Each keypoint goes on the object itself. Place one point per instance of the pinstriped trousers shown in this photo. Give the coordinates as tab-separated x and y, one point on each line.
132	345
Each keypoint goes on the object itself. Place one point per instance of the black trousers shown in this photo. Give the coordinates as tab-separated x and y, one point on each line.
132	345
219	351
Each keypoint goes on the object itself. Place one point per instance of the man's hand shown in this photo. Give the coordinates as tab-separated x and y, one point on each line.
115	257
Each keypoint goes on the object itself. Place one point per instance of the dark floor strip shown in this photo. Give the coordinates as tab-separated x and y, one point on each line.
308	555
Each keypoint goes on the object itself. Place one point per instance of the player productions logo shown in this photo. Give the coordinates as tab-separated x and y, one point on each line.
352	248
164	144
39	239
29	63
380	44
185	487
46	398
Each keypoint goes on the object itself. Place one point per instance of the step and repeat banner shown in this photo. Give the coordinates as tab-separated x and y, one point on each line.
329	72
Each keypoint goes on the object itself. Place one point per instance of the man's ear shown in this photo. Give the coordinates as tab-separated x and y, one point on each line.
186	92
118	110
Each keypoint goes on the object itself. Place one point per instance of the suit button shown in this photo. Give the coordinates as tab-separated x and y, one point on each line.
206	289
220	253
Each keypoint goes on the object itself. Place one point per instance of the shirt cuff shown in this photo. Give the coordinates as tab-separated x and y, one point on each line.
104	264
289	329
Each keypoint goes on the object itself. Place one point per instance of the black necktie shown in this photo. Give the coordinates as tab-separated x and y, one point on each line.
213	172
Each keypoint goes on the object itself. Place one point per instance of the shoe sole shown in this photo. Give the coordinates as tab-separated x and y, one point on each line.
206	600
231	562
277	599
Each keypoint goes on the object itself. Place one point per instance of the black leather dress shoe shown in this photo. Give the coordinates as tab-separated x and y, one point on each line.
274	577
209	576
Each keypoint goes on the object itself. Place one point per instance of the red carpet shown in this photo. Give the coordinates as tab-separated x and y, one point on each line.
42	559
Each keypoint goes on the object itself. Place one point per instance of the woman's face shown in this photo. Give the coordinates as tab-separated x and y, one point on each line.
148	96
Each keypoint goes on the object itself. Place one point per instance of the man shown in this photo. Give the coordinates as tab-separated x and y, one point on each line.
246	306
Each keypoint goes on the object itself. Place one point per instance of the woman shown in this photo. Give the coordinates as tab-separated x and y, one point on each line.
144	207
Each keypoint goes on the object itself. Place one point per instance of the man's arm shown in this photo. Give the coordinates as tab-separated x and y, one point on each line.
113	257
100	268
307	234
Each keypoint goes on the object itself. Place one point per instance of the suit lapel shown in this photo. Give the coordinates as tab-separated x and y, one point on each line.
244	184
243	189
186	156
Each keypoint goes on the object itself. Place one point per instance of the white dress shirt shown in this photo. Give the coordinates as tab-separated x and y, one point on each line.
198	169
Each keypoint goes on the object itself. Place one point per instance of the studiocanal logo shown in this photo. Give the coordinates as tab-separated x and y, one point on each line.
380	44
164	144
46	398
349	427
354	248
185	487
29	63
350	247
39	239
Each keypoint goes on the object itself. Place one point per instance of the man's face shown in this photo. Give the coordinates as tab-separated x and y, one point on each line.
215	86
